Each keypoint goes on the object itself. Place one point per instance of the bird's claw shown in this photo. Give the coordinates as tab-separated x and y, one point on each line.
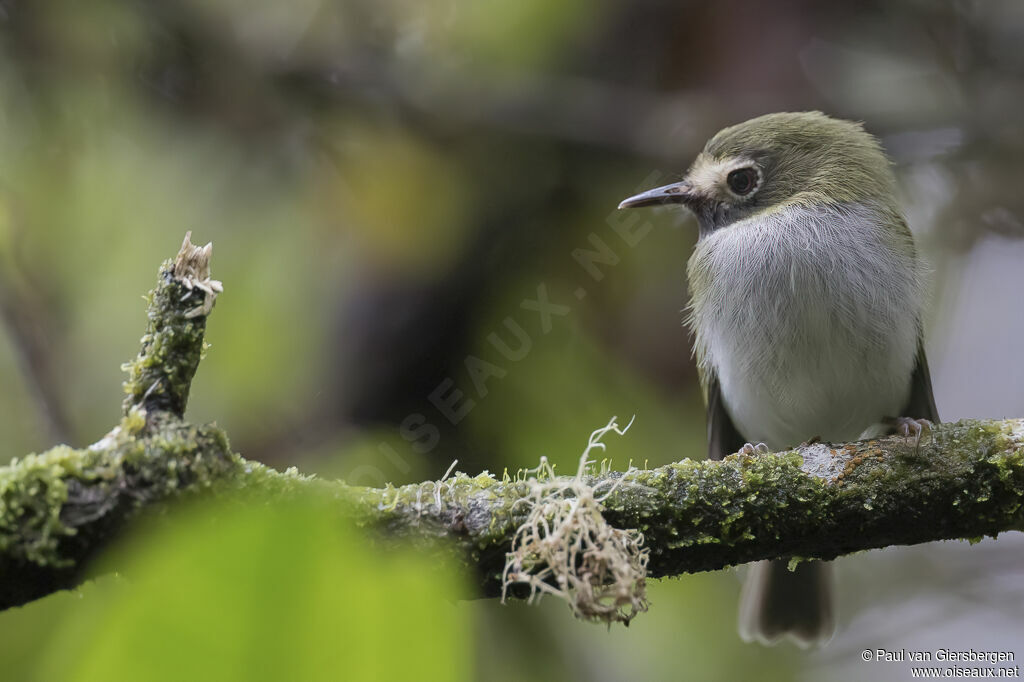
751	449
909	427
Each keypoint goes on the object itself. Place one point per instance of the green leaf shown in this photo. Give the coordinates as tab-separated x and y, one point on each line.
259	594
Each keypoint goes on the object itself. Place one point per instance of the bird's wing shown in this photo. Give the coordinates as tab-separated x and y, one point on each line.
723	438
921	404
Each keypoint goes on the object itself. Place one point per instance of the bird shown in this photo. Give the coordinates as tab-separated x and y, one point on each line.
807	296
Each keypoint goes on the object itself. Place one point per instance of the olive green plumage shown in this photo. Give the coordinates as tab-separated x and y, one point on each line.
811	159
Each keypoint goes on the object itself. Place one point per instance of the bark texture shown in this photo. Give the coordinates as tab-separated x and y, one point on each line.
58	508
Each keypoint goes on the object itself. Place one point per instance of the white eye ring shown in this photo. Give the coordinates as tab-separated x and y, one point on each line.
743	181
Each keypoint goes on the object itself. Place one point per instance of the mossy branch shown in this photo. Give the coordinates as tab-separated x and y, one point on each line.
57	509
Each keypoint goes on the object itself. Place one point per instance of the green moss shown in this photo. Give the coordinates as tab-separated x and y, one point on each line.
46	498
695	515
134	421
171	348
1009	466
32	492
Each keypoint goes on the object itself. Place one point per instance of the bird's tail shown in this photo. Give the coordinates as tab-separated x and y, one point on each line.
777	602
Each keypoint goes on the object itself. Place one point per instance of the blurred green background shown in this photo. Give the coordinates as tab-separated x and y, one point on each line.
386	183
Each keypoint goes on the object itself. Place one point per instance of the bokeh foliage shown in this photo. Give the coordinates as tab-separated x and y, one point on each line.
244	594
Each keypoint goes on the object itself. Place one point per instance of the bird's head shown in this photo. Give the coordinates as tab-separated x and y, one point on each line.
775	162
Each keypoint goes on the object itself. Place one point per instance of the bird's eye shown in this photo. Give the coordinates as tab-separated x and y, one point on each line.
742	181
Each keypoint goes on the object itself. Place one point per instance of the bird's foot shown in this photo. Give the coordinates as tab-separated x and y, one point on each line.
810	441
751	449
909	427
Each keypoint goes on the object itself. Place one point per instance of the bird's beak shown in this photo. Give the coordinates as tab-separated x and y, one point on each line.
678	193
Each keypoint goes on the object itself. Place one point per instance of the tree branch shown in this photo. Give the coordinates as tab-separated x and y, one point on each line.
57	509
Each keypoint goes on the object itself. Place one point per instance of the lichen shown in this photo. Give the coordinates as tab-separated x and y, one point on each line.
702	515
968	481
565	547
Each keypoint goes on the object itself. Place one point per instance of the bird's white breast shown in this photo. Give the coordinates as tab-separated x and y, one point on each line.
809	318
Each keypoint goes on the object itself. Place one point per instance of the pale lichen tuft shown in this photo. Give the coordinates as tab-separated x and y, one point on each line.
192	269
566	548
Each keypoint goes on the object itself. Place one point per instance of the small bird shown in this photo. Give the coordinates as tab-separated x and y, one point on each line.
806	303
